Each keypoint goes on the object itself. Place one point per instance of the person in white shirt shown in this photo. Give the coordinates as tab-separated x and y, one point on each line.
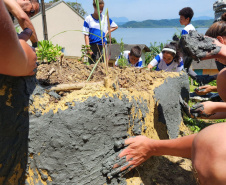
186	15
92	31
133	57
168	60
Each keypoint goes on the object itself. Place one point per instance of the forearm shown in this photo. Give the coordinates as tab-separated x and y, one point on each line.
213	88
22	18
219	107
86	39
25	22
16	58
180	147
113	29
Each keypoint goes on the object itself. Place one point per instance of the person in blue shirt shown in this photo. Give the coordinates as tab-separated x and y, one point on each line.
186	15
133	57
168	60
92	31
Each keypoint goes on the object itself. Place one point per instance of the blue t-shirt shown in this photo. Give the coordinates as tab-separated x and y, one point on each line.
161	65
126	55
91	27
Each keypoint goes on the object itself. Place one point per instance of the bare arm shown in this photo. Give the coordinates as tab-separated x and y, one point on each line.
203	90
16	57
86	39
150	66
111	30
141	148
22	18
220	55
114	28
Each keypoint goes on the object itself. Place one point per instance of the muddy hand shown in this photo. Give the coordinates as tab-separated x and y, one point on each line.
139	149
115	166
25	34
203	90
185	107
204	79
197	110
198	46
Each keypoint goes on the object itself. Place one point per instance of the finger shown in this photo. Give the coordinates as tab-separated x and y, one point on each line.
123	143
124	152
197	105
119	144
120	162
130	140
126	171
118	171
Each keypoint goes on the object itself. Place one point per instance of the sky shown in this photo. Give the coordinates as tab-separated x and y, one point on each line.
139	10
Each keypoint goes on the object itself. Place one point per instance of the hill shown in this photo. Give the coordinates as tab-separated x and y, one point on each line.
164	23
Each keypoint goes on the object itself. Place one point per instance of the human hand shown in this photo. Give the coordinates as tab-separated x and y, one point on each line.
203	110
204	79
198	46
25	34
203	90
185	107
138	150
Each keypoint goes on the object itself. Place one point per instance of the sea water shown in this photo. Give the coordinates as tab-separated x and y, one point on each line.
148	35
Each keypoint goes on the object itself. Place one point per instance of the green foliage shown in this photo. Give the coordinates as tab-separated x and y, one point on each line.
213	83
76	6
113	40
85	53
195	125
155	50
17	29
48	52
122	61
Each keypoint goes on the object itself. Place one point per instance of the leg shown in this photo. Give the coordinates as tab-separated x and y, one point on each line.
93	47
221	81
100	52
209	155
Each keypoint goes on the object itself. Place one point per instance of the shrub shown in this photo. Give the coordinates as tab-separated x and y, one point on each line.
155	50
122	61
48	52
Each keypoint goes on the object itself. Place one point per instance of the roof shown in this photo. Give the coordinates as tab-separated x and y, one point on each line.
115	49
205	64
47	7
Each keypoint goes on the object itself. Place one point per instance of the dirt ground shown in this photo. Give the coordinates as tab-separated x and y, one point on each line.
163	170
73	71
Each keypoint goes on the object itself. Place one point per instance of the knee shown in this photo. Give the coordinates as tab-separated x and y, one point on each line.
208	155
221	80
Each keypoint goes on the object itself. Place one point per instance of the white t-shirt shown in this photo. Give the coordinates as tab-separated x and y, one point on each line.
187	28
161	65
126	55
91	27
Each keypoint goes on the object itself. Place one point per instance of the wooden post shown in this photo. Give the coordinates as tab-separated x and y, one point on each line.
45	33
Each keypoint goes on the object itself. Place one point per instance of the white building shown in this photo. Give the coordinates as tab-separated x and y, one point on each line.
60	17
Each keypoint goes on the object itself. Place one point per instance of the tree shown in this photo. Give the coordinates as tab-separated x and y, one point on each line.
76	6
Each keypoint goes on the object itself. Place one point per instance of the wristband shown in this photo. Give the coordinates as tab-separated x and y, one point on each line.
35	44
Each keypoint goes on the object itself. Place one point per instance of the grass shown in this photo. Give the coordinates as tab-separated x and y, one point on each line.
196	125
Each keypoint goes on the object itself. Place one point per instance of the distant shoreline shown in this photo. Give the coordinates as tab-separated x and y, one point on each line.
164	23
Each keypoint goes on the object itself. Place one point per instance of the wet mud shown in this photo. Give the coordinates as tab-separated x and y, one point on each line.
71	133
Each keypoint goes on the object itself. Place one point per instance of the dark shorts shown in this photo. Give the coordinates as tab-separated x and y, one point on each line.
97	53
